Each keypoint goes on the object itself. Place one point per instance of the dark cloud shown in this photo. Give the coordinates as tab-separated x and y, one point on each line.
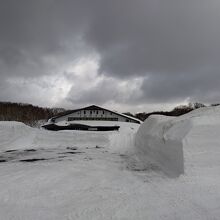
156	36
32	31
200	86
173	45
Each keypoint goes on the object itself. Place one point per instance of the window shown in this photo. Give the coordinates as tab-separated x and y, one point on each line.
90	112
97	112
84	112
92	118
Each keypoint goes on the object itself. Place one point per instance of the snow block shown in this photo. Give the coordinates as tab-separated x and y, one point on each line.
159	141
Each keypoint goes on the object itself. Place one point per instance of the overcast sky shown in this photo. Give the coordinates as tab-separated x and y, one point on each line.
125	55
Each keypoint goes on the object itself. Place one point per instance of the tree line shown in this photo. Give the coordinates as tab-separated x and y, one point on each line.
26	113
177	111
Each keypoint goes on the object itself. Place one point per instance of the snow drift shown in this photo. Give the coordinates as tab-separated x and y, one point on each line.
169	142
14	134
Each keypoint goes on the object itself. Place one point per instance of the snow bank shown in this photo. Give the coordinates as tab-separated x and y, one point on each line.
14	134
155	143
168	142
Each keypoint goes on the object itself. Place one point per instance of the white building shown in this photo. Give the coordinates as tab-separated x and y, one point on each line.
93	112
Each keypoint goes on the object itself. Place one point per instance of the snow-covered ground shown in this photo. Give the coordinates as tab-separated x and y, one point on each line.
52	175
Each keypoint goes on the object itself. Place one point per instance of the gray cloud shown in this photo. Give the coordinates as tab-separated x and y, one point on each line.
106	90
32	31
156	36
200	86
174	46
101	93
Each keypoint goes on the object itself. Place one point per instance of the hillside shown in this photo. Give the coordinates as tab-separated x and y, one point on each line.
26	113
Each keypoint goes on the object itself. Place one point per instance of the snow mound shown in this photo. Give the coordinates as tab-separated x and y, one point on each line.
14	134
170	142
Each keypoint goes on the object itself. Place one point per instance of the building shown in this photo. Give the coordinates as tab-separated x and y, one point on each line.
93	112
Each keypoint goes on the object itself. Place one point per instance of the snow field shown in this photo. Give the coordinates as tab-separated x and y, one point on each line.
98	175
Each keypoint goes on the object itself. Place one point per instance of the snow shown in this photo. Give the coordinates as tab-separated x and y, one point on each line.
110	175
169	141
159	141
14	135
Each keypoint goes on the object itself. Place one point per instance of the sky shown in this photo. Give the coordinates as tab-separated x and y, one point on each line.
125	55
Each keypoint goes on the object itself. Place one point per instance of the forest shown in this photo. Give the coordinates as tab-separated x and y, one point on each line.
26	113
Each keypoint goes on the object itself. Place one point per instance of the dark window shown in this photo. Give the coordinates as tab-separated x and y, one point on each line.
90	112
97	112
84	112
92	118
103	112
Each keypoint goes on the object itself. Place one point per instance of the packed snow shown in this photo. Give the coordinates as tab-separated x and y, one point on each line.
166	168
170	142
155	144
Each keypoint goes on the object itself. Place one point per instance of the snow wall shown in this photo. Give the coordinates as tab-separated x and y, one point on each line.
169	141
154	145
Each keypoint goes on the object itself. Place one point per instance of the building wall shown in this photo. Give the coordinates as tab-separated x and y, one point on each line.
93	115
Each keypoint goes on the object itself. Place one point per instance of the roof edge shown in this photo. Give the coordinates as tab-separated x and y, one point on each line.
101	108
